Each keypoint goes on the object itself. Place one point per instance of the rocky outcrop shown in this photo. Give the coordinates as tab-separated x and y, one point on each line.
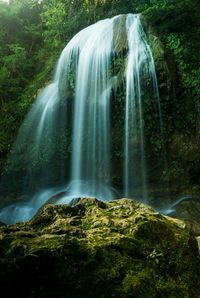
96	249
188	210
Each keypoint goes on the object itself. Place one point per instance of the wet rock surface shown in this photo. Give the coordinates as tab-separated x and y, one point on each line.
96	249
188	210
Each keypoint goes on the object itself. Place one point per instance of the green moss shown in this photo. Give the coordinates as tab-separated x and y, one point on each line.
116	249
119	35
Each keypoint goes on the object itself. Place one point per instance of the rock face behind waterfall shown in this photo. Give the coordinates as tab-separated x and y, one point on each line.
96	249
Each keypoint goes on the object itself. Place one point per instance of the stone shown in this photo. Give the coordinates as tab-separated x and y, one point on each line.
188	210
99	249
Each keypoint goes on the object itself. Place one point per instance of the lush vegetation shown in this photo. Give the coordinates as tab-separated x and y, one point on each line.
34	32
177	24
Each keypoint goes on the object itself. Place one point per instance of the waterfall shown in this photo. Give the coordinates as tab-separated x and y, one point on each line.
91	124
140	66
64	149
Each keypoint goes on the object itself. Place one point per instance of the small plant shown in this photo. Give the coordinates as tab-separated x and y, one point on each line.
155	256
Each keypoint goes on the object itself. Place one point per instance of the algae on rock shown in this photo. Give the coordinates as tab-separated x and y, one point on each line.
96	249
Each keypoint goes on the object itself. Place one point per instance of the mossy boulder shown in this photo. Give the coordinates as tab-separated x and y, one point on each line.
96	249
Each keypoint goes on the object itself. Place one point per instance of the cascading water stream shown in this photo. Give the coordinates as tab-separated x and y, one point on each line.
91	129
69	125
140	67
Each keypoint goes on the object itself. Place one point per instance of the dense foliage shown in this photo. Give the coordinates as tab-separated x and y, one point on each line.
34	32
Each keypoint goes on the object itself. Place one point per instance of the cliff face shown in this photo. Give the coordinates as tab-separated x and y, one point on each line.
95	249
173	30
